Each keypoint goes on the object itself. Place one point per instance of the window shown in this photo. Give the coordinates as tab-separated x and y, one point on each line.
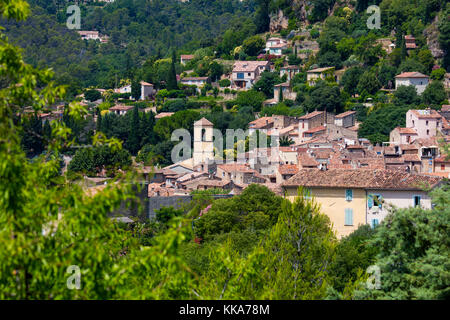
428	132
416	201
443	167
248	74
349	194
374	223
426	123
307	193
240	76
375	200
203	134
348	217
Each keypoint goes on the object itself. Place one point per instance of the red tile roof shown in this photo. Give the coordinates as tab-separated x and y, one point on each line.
311	115
361	178
426	114
288	169
248	66
194	79
442	159
121	108
406	130
235	167
260	123
203	122
411	75
305	160
316	129
345	114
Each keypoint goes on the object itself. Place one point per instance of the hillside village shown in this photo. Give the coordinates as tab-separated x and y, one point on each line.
320	141
235	149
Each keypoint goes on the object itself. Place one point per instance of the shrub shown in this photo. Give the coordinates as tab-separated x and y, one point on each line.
224	83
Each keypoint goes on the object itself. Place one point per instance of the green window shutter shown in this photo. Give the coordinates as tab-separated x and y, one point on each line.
348	217
349	194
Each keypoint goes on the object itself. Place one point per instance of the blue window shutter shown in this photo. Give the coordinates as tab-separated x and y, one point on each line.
349	194
348	217
370	201
374	223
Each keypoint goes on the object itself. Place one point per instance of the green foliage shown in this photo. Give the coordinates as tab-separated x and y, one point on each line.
350	78
282	109
92	95
354	254
181	119
156	154
135	128
250	98
367	50
434	94
224	83
324	96
444	36
266	82
368	82
253	45
438	74
381	121
48	225
262	19
414	252
257	208
405	95
93	160
165	214
290	263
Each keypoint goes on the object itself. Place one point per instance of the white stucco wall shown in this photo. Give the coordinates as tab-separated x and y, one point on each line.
399	199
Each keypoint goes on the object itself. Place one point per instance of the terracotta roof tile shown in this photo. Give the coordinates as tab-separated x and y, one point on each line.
345	114
361	178
288	169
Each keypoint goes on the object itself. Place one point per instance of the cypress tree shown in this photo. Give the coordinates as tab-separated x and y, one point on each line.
280	97
47	131
172	81
134	138
404	52
99	120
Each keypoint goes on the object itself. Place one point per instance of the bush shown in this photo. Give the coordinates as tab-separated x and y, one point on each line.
92	95
224	83
93	160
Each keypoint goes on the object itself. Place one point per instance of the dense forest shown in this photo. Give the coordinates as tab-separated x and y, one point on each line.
137	29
